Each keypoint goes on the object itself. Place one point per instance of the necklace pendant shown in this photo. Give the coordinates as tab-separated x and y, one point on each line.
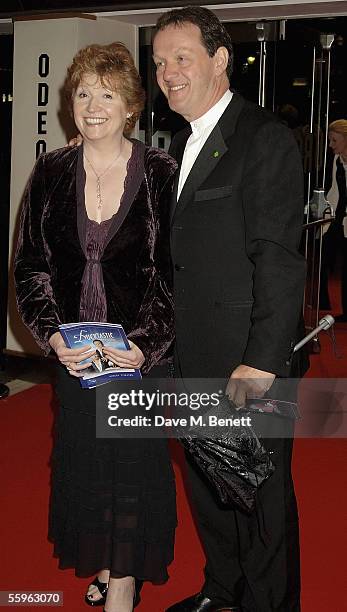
99	176
98	194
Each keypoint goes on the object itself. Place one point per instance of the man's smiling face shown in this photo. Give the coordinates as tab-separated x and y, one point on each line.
187	75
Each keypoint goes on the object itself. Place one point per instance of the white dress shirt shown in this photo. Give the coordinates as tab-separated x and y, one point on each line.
201	129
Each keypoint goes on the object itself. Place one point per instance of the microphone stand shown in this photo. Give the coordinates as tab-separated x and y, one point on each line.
325	323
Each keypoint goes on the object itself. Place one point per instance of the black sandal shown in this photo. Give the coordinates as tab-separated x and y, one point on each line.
102	588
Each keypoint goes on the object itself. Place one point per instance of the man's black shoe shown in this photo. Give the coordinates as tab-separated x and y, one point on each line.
200	603
4	391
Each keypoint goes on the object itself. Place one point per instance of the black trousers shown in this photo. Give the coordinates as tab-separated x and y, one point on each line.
331	248
344	276
253	560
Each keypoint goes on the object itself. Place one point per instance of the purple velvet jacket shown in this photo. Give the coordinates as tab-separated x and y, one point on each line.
136	263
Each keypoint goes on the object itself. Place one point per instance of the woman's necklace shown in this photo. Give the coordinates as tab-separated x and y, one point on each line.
99	177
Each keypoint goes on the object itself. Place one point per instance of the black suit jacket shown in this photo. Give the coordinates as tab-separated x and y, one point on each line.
238	275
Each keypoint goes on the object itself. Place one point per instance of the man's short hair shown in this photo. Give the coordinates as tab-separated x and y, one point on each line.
213	32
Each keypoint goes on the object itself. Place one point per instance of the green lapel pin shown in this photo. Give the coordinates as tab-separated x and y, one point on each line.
215	153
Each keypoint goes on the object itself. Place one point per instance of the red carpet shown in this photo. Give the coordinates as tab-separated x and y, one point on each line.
27	564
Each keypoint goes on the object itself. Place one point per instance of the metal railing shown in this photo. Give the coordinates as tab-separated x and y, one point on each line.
313	233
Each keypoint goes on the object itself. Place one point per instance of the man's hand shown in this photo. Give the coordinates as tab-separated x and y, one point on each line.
75	142
246	382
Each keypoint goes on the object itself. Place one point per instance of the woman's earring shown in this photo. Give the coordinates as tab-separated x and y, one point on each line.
129	115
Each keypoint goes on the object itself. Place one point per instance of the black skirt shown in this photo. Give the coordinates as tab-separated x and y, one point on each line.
113	502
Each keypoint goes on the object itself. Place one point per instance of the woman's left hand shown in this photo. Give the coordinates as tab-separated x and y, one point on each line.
133	358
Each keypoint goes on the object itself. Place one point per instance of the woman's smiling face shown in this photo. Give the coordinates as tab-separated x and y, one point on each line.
99	112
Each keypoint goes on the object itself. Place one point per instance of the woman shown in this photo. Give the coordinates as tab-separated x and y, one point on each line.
93	246
335	239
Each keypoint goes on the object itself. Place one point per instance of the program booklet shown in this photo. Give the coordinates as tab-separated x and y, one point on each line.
98	335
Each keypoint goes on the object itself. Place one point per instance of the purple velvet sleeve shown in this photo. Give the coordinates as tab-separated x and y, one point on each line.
35	299
154	332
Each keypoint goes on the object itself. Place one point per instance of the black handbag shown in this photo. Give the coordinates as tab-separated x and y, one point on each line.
235	462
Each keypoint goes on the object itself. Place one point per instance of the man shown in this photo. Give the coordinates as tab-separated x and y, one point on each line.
238	283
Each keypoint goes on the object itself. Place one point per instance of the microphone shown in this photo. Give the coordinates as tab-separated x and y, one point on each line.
325	323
